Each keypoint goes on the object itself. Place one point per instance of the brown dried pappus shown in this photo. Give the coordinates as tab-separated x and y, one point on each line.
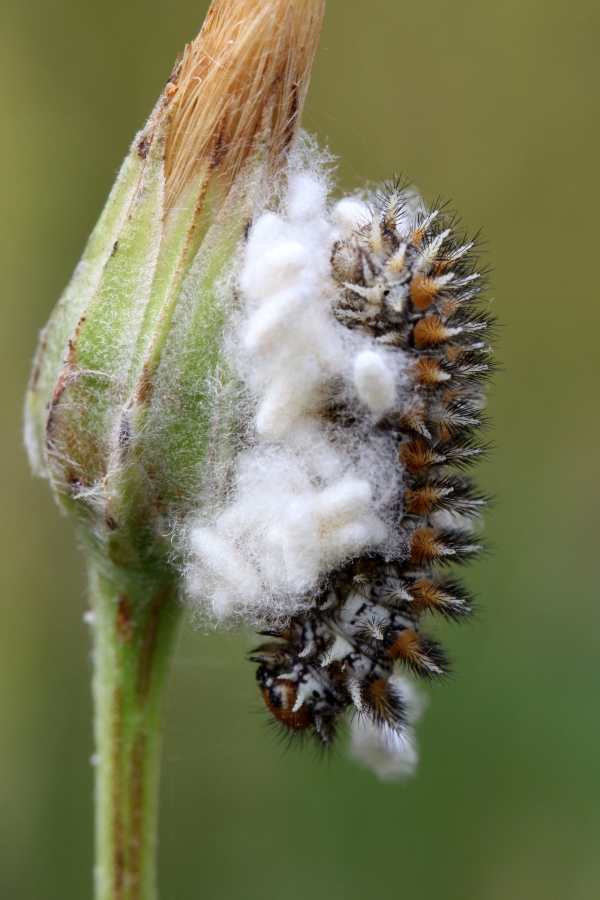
236	81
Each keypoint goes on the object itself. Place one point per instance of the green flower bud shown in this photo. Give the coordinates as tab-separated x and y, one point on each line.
120	407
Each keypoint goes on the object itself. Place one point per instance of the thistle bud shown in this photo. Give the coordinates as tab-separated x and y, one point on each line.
272	393
121	405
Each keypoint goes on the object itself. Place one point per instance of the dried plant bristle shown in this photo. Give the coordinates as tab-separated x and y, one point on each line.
246	73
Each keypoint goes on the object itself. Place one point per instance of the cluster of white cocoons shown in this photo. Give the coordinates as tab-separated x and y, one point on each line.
300	503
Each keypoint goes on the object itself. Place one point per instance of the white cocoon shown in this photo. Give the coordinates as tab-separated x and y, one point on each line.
302	499
349	214
375	383
391	755
273	543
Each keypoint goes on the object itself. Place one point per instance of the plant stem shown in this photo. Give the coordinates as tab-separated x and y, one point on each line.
136	618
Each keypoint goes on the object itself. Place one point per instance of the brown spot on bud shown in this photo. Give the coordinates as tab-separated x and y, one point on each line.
124	618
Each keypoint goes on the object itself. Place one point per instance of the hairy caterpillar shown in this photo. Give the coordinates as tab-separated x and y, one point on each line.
406	279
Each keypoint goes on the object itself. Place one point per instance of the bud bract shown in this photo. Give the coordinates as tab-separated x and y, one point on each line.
120	409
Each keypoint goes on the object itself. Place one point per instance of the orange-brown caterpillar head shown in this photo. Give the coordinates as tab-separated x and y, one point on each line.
295	694
280	698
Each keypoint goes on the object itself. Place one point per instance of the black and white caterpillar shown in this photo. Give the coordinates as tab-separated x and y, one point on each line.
405	278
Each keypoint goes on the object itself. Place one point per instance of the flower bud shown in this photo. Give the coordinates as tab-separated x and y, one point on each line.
288	386
121	406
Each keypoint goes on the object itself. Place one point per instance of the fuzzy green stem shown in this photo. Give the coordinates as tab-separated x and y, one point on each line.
136	619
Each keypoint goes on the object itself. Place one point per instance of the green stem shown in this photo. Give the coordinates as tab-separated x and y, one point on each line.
136	618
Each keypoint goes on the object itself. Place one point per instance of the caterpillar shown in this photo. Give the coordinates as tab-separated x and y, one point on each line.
409	280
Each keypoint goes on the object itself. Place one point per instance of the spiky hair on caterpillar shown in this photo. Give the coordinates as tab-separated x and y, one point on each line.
408	280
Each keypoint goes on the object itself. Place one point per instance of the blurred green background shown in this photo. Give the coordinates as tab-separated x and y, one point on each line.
495	105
